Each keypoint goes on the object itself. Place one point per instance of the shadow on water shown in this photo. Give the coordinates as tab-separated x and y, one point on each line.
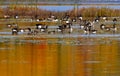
66	56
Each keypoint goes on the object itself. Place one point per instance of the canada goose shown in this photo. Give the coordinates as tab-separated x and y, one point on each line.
14	31
114	20
105	28
41	27
102	26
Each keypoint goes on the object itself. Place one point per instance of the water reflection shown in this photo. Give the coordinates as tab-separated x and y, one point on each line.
59	57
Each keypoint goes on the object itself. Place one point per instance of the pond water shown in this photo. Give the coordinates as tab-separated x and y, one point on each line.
77	56
68	7
65	8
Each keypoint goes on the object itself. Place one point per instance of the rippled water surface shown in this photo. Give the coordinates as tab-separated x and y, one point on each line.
77	56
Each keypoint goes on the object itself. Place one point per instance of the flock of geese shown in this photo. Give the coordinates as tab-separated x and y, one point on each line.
87	26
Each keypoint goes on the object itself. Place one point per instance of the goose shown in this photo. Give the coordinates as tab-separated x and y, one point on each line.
65	28
9	25
114	20
102	26
41	27
105	28
14	31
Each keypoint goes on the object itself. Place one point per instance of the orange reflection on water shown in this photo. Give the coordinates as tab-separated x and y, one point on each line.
50	57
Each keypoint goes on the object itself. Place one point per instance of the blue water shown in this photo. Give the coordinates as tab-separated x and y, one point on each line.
70	7
65	8
57	8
